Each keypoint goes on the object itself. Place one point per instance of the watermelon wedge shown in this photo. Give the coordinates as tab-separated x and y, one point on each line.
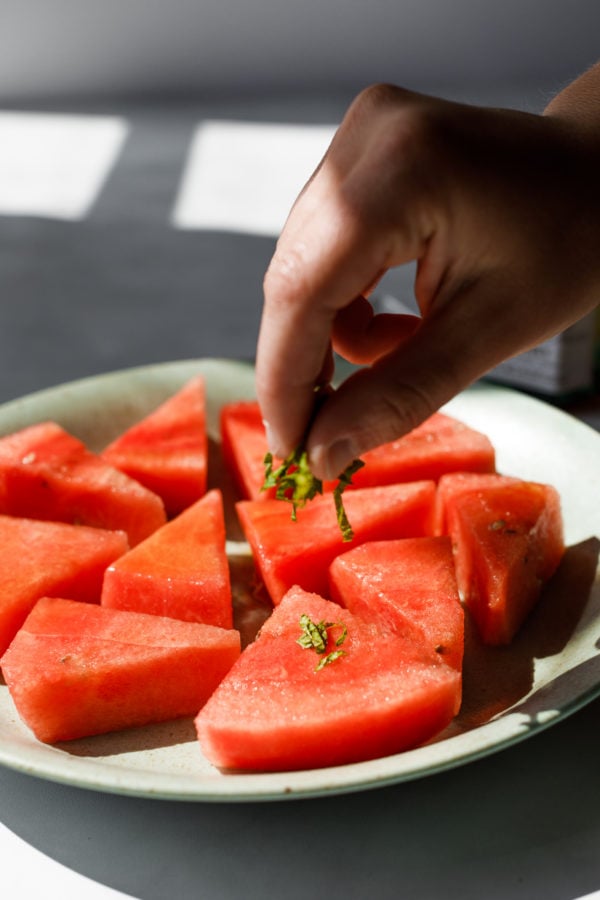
440	444
244	445
288	553
77	669
455	483
408	586
278	710
508	542
50	558
47	473
167	450
180	571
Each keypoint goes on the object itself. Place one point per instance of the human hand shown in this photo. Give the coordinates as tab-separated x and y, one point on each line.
501	211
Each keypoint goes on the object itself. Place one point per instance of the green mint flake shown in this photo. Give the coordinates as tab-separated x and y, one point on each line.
344	480
295	483
292	479
315	637
331	657
314	634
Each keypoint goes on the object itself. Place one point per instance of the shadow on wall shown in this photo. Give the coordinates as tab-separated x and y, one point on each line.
59	49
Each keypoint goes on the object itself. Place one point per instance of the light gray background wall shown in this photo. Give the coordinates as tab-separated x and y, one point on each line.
58	48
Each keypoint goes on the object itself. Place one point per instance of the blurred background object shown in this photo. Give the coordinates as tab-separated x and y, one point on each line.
149	152
63	48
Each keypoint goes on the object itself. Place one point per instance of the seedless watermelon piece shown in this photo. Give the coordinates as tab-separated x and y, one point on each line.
45	558
180	571
407	585
455	483
439	445
47	473
244	445
288	553
77	669
276	711
167	450
508	542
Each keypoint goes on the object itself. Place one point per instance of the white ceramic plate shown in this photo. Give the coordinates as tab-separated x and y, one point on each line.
552	669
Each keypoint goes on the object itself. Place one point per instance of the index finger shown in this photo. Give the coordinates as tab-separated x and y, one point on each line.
324	258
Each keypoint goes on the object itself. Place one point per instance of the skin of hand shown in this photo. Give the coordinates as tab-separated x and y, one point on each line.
501	212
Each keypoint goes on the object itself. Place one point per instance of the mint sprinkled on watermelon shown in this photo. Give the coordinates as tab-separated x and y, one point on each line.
331	657
344	480
315	637
314	634
292	479
294	482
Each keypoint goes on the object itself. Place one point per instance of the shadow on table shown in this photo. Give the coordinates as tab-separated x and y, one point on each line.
496	678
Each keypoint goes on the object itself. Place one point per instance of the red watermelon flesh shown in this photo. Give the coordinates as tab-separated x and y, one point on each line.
288	553
180	571
45	558
439	445
455	483
47	473
407	585
275	711
244	445
508	542
77	669
167	450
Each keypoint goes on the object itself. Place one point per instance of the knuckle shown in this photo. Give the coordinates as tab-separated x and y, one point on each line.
285	280
381	94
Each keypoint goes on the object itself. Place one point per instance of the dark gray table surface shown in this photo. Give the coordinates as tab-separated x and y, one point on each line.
122	288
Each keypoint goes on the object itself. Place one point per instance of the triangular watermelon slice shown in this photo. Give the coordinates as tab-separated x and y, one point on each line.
50	558
508	542
180	571
47	473
299	552
440	444
167	450
455	483
244	446
77	669
407	585
285	706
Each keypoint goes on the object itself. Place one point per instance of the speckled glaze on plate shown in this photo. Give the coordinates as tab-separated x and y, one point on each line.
551	670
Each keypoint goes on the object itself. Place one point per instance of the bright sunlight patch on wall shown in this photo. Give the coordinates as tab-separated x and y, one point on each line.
245	176
54	165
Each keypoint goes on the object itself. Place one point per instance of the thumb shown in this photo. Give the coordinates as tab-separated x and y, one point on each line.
373	406
450	349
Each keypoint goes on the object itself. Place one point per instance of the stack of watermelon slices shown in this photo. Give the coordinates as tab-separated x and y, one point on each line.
120	612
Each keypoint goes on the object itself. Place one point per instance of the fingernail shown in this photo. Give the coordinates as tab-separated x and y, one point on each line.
334	459
272	441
